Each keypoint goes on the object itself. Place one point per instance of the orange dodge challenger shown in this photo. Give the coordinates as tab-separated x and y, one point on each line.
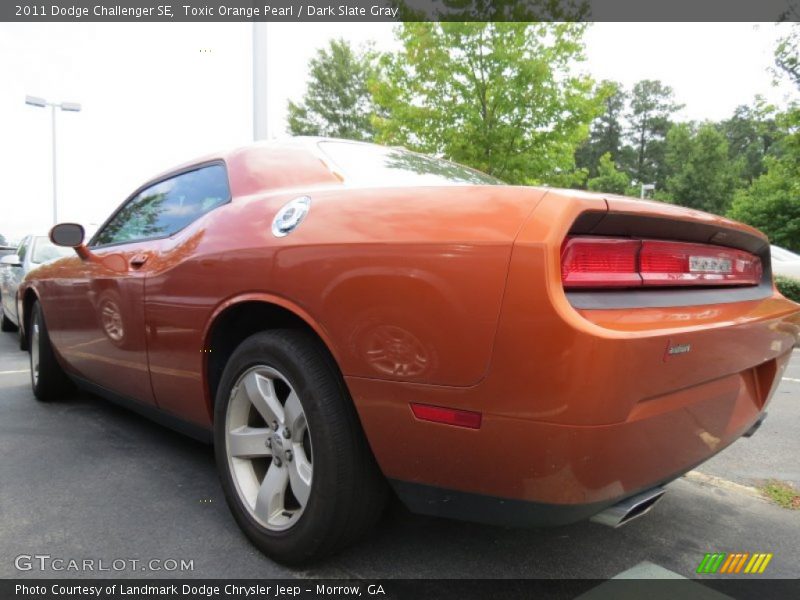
339	316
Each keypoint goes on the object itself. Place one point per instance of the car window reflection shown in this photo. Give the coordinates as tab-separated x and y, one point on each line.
167	207
378	165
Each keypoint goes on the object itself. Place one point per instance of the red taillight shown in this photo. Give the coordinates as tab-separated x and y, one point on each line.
599	262
448	416
608	262
680	263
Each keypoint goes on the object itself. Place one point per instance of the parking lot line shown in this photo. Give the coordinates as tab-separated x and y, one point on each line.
14	372
792	379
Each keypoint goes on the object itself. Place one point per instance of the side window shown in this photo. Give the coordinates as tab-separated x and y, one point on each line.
167	207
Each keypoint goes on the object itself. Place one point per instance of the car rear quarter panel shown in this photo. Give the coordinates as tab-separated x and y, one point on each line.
406	284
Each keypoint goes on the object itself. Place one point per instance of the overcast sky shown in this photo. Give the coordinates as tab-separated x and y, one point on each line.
155	95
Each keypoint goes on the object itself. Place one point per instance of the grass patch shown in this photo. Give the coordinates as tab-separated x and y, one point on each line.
782	494
789	287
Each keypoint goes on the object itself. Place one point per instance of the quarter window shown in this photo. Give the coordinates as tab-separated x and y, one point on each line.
167	207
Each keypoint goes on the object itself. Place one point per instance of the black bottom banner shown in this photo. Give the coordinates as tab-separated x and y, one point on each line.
395	589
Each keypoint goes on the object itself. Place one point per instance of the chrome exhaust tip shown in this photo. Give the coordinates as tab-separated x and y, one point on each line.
627	510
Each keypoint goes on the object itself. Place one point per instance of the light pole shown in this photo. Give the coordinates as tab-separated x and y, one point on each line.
260	129
67	106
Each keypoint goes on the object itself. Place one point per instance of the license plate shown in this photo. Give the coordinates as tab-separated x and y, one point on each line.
709	264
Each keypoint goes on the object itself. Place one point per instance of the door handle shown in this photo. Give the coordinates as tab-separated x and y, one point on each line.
138	260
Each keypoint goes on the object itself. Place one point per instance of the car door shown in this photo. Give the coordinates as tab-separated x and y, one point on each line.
104	339
100	328
97	311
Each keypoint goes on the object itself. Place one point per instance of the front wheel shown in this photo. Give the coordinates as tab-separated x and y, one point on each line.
294	464
48	379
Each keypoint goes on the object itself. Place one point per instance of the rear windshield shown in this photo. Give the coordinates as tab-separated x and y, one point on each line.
370	164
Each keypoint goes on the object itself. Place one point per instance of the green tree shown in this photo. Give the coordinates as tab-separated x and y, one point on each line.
607	130
652	106
500	97
751	133
787	55
701	174
772	202
337	102
609	179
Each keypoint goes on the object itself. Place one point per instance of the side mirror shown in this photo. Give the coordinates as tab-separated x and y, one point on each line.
10	260
70	235
67	234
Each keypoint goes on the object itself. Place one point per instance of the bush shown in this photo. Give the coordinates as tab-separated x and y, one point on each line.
789	287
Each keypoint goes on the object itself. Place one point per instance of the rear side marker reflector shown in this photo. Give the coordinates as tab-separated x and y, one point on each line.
447	416
592	262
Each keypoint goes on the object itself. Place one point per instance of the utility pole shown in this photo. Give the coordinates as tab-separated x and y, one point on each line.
260	129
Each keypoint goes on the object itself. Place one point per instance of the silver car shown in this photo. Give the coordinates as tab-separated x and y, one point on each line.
785	263
33	250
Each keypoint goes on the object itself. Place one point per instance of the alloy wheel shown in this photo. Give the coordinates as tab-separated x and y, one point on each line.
268	445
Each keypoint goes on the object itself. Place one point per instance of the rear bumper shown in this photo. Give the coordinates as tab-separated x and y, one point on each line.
490	510
503	512
538	473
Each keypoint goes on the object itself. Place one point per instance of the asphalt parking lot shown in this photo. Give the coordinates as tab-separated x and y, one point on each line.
83	479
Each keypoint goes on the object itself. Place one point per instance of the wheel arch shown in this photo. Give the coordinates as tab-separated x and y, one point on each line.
238	318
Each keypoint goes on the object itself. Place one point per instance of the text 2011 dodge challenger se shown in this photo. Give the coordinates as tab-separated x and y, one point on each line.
339	315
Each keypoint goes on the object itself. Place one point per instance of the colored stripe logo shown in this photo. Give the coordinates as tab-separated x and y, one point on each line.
734	562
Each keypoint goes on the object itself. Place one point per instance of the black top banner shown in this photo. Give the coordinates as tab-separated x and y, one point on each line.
398	10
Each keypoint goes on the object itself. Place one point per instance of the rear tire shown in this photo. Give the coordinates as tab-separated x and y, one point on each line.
327	491
48	380
6	324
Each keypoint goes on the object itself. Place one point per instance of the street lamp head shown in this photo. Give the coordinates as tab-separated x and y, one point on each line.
71	106
35	101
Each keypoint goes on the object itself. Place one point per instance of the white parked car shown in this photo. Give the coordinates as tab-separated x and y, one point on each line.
784	262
